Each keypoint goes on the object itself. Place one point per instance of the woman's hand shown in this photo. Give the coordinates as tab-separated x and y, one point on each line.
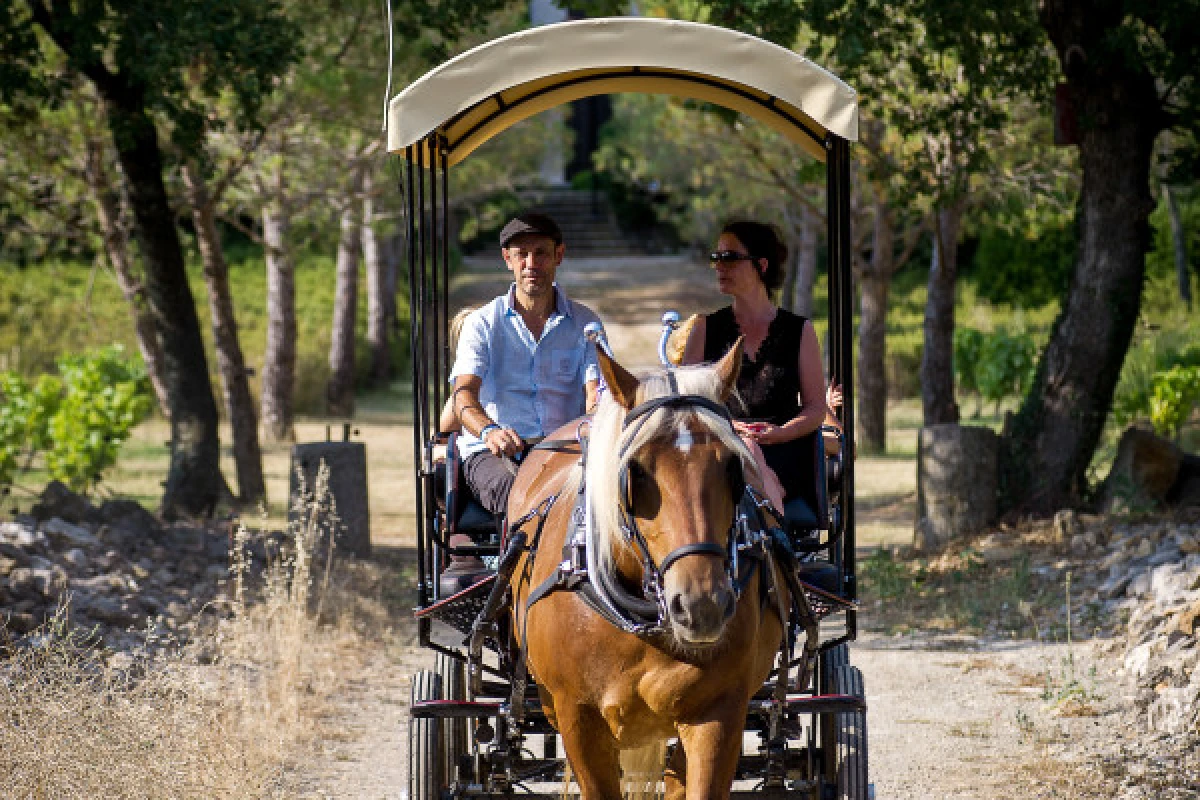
833	397
761	432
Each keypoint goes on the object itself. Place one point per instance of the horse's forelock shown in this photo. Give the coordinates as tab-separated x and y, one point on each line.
608	439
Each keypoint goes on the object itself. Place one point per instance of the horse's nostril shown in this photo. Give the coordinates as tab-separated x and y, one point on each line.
677	608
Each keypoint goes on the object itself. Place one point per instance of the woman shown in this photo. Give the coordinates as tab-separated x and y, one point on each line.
782	385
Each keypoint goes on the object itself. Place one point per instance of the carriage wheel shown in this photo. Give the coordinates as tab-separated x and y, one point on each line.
831	660
426	765
454	731
846	748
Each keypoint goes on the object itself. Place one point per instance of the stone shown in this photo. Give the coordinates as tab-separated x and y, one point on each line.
1185	493
113	611
1066	526
1143	472
216	572
49	582
1185	621
1166	553
1118	580
1169	583
129	516
76	558
1187	542
956	482
62	532
1145	548
7	565
1172	711
347	464
58	501
20	581
1139	584
1137	660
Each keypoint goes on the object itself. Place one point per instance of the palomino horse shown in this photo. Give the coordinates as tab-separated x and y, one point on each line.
606	689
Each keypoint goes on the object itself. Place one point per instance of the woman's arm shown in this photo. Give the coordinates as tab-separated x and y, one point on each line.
693	351
812	394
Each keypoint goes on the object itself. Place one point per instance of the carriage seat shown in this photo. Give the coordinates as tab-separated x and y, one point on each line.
464	514
469	529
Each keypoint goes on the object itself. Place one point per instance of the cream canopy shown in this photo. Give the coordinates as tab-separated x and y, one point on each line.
486	90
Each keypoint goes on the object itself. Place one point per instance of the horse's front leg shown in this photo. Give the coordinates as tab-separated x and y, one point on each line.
593	752
711	749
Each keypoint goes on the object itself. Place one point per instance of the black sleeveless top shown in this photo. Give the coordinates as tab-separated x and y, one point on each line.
769	388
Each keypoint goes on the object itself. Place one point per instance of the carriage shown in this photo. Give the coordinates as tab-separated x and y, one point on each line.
478	728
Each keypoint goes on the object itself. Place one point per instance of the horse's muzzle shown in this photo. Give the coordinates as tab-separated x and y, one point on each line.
699	618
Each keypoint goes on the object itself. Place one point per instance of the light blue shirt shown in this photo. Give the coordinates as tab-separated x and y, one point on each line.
530	385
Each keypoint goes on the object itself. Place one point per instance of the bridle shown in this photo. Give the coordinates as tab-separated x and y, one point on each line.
654	573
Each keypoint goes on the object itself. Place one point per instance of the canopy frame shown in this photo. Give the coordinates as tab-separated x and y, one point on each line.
425	187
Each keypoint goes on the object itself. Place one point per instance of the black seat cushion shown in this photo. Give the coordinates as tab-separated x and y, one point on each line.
820	574
799	514
475	520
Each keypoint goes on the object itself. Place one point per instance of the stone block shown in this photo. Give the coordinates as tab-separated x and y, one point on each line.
956	482
347	463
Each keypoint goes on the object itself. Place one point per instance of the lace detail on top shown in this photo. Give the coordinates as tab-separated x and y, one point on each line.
768	384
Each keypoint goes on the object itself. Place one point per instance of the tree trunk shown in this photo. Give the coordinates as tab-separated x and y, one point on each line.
1050	442
937	356
116	247
872	335
806	263
194	483
279	361
340	391
231	365
1179	240
381	295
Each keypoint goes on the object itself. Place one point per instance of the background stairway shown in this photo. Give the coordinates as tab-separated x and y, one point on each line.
587	220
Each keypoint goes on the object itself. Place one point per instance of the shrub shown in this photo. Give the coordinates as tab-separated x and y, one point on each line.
994	365
1175	393
76	420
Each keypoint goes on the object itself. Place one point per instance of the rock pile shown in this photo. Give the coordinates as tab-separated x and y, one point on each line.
116	566
1148	574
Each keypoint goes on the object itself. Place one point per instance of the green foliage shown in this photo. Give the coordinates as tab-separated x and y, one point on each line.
76	420
1174	394
994	365
1149	359
1024	268
968	345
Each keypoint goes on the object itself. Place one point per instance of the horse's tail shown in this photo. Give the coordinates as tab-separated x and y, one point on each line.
642	771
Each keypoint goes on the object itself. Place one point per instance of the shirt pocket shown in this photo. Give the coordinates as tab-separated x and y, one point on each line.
562	365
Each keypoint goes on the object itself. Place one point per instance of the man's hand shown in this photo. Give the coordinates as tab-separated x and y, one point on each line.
503	442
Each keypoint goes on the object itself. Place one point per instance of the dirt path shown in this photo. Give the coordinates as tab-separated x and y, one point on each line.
947	718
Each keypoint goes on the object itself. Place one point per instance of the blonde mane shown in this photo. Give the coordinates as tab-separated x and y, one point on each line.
607	440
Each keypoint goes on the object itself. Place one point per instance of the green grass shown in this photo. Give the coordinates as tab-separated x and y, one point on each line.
62	307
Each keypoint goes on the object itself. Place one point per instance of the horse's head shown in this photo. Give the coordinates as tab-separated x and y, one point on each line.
667	471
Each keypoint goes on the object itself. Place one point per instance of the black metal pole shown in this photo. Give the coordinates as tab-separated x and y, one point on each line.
846	286
414	336
435	305
448	360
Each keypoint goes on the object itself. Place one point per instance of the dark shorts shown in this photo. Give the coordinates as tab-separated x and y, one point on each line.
490	478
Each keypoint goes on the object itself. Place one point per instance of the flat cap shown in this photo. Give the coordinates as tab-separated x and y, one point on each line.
530	222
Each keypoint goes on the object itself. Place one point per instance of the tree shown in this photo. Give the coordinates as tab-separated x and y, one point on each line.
138	55
340	391
1130	74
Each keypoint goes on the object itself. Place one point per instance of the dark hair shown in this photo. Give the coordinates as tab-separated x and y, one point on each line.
762	241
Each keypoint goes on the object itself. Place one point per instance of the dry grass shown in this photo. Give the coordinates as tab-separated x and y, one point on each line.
225	715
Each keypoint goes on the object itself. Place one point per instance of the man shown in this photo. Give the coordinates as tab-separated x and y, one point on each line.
523	367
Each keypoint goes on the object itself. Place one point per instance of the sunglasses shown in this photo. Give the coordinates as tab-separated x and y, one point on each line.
728	257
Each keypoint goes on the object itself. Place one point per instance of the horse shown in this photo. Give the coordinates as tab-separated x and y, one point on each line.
678	472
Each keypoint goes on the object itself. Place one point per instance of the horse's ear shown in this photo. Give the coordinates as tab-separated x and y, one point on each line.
728	368
621	384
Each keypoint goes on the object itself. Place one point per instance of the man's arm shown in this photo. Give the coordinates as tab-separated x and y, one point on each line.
499	440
